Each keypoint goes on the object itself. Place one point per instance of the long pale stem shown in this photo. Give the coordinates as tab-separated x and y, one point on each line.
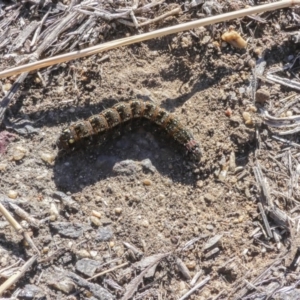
147	36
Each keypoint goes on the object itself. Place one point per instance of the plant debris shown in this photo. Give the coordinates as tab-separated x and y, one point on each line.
129	216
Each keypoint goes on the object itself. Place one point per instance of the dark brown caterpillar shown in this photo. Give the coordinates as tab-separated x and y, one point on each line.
123	112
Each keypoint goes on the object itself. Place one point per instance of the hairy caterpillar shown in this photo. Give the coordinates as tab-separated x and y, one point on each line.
123	112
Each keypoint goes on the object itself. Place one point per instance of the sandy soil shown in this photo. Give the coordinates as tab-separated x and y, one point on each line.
140	187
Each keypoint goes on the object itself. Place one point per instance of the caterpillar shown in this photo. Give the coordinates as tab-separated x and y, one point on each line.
123	112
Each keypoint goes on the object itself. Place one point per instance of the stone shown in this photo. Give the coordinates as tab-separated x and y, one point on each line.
70	230
87	266
147	165
213	241
104	234
31	291
209	198
127	167
262	95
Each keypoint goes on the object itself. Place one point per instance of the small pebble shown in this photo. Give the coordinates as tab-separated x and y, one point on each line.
147	164
111	244
145	223
253	109
3	167
262	95
96	214
93	253
82	253
66	285
162	196
210	227
185	42
247	118
6	87
95	221
12	194
200	184
209	198
45	250
54	211
213	241
52	218
205	40
251	63
228	112
147	182
191	265
47	157
242	90
118	210
181	285
37	79
222	175
245	251
168	182
258	51
233	179
289	113
42	175
240	219
234	39
24	224
217	44
19	153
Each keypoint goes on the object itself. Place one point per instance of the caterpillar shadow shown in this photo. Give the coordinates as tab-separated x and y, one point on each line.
124	156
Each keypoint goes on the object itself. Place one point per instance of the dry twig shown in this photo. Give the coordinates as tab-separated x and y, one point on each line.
195	288
17	227
109	270
147	36
14	278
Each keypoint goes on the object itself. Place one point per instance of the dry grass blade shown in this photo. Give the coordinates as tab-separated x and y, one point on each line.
97	291
280	122
147	36
265	220
196	287
109	270
10	219
284	81
62	26
147	263
20	212
284	122
183	269
263	186
21	38
14	278
17	226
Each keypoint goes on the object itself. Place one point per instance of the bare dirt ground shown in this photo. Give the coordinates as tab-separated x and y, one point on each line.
138	195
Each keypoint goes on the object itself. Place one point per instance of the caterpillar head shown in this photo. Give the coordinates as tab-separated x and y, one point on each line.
193	148
66	139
